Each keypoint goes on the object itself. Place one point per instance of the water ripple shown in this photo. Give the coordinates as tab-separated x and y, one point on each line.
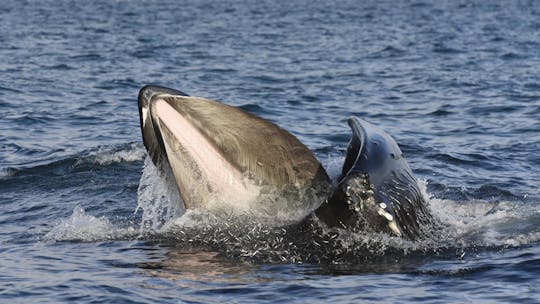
455	83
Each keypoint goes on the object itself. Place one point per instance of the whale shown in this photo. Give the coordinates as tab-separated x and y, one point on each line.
225	159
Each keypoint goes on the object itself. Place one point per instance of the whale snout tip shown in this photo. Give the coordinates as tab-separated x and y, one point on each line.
148	91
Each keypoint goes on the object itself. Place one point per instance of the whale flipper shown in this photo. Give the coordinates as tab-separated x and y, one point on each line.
376	190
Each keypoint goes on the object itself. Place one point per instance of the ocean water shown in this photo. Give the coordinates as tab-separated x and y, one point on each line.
86	218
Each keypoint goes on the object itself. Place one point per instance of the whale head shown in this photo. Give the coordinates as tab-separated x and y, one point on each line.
221	155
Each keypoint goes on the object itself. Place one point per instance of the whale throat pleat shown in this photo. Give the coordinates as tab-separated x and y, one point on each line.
257	148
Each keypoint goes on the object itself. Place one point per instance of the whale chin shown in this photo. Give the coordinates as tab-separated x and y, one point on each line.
222	157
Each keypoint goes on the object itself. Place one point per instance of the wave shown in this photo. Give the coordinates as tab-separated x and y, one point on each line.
107	155
6	172
101	156
479	223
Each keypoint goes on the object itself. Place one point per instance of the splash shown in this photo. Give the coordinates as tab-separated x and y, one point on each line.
5	172
464	226
83	227
242	237
158	198
333	164
480	223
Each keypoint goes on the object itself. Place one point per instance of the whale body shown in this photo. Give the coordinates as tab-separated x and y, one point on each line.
223	157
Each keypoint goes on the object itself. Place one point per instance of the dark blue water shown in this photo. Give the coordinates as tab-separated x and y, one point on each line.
457	84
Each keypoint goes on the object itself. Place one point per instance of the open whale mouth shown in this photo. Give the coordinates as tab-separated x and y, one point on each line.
220	155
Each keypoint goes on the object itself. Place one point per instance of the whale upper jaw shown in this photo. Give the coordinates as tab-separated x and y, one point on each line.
221	156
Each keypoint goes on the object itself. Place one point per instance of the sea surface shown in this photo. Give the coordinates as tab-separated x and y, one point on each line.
86	218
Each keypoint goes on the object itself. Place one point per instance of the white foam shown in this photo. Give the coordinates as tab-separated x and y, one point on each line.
4	173
193	219
83	227
484	223
333	165
521	239
108	155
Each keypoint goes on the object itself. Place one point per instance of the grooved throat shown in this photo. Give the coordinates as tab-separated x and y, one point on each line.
225	180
